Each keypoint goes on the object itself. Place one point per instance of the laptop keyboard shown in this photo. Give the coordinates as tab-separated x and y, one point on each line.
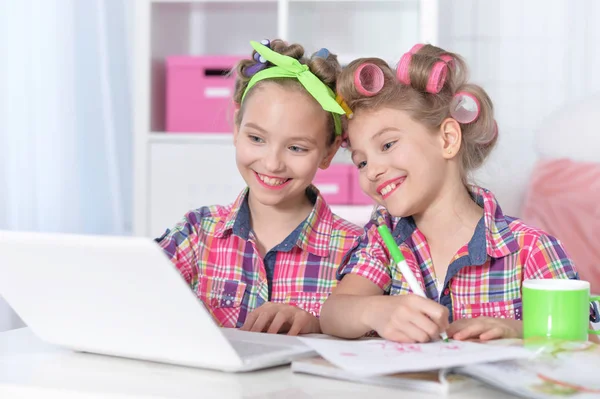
251	349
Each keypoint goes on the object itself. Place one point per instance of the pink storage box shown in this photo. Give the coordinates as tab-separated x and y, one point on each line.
357	196
334	184
199	94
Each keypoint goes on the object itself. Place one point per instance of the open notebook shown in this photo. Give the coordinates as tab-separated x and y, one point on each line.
374	357
552	369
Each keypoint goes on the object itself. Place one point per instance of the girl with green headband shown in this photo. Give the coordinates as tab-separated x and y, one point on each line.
268	261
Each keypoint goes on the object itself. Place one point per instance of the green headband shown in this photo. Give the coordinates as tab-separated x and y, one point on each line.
288	67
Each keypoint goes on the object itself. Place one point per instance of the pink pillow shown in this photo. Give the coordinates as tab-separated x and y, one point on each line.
563	199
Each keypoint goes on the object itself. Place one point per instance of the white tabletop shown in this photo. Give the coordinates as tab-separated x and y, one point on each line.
31	368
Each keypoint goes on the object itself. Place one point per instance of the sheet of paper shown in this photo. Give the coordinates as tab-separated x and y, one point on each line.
379	357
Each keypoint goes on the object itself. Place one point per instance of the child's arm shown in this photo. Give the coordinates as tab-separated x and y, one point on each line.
354	295
357	307
364	277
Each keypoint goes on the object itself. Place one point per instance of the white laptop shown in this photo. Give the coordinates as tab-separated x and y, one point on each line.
122	296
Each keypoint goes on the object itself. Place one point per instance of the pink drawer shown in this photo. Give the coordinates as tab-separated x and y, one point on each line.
199	94
357	196
334	184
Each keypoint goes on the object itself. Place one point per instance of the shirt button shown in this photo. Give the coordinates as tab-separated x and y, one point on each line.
447	291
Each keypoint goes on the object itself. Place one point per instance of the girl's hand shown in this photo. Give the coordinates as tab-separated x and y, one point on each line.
407	318
485	329
274	318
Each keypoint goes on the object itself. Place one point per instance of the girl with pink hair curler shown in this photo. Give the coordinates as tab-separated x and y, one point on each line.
415	135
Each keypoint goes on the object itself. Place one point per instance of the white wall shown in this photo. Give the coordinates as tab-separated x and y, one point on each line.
65	142
533	57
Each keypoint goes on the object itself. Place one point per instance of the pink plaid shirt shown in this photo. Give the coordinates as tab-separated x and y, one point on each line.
215	250
484	277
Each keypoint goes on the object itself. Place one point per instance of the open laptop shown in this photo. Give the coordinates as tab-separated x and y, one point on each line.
122	296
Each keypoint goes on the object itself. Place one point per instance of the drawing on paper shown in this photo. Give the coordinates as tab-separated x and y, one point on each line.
380	357
393	349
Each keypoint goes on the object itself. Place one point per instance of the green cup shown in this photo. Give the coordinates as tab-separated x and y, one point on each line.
557	309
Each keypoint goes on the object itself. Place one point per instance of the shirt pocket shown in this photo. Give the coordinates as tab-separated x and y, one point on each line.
500	310
311	302
222	297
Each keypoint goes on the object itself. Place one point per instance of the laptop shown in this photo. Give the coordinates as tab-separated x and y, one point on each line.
122	296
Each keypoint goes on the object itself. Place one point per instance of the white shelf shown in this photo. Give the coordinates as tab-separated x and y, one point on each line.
275	1
310	24
192	138
170	168
212	1
348	1
357	214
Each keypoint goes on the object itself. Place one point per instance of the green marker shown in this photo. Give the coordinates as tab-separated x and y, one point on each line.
397	256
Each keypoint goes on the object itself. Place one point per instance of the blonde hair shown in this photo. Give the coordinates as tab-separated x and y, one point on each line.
326	69
431	109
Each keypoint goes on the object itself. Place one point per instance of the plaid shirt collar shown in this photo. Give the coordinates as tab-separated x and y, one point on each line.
319	223
492	235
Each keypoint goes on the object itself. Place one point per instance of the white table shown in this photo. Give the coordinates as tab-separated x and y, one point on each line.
30	368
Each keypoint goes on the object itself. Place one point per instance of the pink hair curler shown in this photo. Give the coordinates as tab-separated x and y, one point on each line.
368	79
448	59
415	49
464	107
437	76
403	68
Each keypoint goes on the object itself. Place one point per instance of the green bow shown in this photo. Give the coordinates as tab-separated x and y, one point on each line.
288	67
